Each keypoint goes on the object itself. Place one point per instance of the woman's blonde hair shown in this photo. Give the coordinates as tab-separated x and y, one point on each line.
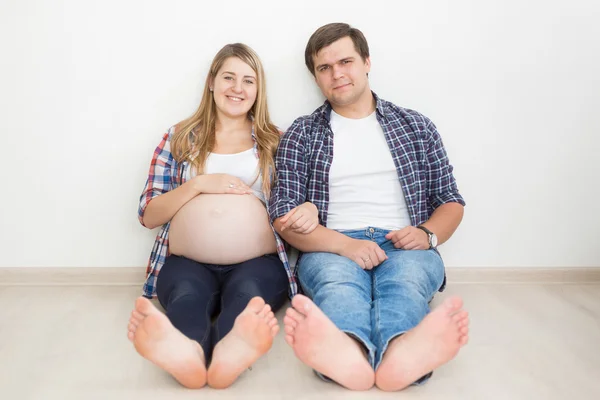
194	138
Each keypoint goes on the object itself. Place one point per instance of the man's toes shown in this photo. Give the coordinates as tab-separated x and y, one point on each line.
289	339
294	315
302	304
256	304
453	303
130	336
287	320
464	330
463	340
289	329
131	328
272	322
459	316
270	316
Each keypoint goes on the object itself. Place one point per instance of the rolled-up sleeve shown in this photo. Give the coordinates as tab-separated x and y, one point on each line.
159	177
442	186
291	164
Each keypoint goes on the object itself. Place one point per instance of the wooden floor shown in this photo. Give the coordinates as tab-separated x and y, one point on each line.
528	341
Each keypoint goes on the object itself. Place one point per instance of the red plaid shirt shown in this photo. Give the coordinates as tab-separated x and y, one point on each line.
167	174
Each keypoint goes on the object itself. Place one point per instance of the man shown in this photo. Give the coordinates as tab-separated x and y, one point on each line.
381	181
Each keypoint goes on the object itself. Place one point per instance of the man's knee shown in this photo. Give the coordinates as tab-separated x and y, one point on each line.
420	270
319	272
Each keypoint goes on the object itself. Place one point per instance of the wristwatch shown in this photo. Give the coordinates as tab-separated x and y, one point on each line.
432	238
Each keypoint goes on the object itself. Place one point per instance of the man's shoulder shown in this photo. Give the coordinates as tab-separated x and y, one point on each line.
408	115
307	124
408	121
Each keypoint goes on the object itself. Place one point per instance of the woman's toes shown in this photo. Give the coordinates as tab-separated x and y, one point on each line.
256	304
136	315
265	311
274	330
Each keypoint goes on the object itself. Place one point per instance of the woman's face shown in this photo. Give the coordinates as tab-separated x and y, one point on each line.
235	88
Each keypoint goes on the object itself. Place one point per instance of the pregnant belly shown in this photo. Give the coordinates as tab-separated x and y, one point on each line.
222	229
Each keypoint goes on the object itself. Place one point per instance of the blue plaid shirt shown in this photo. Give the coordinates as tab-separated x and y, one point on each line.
305	155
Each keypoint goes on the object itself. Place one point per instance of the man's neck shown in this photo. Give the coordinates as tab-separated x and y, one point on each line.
359	109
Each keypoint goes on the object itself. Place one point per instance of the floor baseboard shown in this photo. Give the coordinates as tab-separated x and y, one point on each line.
72	276
513	275
134	276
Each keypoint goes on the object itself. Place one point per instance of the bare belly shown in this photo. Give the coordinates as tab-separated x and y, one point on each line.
222	229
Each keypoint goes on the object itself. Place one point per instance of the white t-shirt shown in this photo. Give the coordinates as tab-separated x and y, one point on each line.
364	189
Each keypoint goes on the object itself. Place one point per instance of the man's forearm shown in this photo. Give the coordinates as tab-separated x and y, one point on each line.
321	239
444	220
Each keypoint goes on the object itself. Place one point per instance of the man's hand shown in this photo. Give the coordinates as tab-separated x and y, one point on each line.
365	253
409	238
302	219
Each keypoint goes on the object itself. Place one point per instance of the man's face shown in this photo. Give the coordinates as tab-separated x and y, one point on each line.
341	73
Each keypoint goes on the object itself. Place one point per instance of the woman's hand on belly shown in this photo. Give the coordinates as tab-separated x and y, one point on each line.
222	184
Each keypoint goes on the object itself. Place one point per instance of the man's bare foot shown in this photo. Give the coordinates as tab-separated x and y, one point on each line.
319	344
432	343
157	340
251	337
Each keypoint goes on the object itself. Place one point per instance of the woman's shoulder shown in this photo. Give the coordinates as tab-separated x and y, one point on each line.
174	130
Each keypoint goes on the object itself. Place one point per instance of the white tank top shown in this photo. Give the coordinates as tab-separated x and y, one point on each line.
242	165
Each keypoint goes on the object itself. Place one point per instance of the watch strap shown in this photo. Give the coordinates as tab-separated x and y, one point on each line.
429	234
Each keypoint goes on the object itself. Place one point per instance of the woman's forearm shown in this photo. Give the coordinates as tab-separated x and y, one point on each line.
162	208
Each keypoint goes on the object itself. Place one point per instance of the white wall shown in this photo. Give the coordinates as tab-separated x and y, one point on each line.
87	88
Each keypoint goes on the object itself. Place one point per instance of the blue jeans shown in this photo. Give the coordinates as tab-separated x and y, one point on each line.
373	306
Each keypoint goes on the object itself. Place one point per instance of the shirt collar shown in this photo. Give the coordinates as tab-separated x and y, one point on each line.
326	108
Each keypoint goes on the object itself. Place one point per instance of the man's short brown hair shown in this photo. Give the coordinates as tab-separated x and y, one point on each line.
327	34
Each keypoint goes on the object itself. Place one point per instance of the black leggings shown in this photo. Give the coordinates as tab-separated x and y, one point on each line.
193	293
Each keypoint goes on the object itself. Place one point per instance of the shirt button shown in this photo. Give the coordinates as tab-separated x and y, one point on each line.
371	230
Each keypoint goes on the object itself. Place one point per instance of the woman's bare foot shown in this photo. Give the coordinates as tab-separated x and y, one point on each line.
157	340
319	344
251	337
432	343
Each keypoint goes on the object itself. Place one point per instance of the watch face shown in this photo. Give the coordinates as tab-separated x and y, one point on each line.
433	240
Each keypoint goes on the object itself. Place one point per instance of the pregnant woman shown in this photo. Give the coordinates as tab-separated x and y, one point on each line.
217	267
